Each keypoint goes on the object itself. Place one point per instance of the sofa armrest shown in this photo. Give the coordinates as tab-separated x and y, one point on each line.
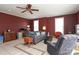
51	45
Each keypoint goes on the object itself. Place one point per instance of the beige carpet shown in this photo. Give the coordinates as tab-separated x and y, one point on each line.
77	47
38	49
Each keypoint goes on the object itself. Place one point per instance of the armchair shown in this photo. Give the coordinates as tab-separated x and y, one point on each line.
64	45
53	48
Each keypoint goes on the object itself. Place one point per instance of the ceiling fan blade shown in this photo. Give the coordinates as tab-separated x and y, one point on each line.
20	7
30	11
34	9
23	11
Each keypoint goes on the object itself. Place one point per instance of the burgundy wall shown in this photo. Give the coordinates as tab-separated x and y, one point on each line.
78	17
31	25
15	23
69	23
49	22
12	22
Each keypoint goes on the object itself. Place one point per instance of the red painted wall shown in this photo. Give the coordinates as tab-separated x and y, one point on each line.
69	23
78	17
12	22
49	22
15	23
31	25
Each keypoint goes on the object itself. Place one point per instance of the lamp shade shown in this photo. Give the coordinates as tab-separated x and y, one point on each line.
44	27
28	26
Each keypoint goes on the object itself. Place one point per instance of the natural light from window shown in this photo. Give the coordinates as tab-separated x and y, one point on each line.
59	25
36	25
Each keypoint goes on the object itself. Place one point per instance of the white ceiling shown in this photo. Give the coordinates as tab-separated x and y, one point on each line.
45	10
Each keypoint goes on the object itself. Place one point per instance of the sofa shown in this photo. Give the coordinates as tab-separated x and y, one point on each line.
37	36
64	45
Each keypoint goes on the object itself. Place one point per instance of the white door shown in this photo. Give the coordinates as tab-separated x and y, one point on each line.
59	25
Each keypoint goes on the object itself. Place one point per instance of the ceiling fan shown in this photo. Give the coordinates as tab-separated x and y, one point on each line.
28	8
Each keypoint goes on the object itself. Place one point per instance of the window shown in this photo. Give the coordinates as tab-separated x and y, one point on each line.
59	25
36	25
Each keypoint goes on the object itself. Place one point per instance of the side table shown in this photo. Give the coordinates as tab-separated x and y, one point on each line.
48	38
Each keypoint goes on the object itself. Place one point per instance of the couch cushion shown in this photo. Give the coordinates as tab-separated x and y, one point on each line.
38	33
43	33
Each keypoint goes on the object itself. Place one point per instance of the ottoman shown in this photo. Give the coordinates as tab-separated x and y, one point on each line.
28	40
